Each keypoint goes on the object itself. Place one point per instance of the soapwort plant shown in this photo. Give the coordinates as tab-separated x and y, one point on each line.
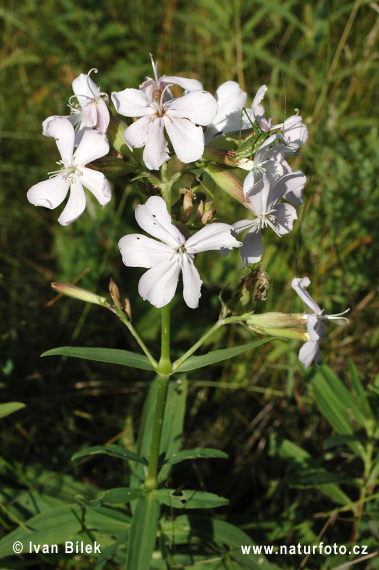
167	144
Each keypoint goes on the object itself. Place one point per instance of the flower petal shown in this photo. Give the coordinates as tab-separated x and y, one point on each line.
299	285
89	115
186	138
256	106
158	284
156	147
191	283
216	236
231	100
154	218
200	107
63	132
141	251
187	84
132	103
93	145
258	196
96	183
243	225
252	247
315	327
136	134
49	193
102	115
85	88
310	352
290	187
285	215
75	206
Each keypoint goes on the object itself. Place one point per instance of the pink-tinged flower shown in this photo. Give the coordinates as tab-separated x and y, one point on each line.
231	101
263	202
91	109
310	351
154	87
173	254
73	174
179	117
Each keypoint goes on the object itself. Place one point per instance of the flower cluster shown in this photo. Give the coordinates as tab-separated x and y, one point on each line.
165	125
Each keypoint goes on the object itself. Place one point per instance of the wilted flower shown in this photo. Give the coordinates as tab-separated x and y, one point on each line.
73	173
310	351
262	201
165	259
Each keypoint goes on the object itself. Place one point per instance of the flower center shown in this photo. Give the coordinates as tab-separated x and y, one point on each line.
69	171
267	219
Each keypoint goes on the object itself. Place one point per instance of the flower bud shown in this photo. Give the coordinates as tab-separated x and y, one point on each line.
128	309
115	294
188	196
199	211
283	325
209	213
226	181
78	293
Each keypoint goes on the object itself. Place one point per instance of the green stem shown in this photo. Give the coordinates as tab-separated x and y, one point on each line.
123	318
216	326
151	481
165	366
164	370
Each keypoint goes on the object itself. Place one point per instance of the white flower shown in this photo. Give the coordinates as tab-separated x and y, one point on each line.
310	351
179	117
154	87
262	201
91	110
258	110
165	259
73	173
231	100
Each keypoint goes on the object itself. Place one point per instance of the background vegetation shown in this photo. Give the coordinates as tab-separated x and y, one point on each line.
317	56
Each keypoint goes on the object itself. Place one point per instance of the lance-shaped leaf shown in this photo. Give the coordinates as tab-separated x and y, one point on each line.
143	534
194	362
9	408
113	165
197	453
189	499
112	450
110	355
116	496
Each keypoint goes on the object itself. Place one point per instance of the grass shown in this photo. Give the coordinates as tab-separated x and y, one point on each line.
316	56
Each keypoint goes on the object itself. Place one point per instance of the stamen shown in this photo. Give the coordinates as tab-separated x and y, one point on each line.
155	69
89	86
161	108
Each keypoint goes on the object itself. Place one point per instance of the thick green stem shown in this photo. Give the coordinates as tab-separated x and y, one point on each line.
164	366
151	481
164	370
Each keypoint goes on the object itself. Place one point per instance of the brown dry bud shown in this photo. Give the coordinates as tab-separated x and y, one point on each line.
209	213
188	196
128	309
115	294
199	211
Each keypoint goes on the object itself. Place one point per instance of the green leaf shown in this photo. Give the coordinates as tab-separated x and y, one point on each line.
197	453
303	462
112	450
189	499
340	440
319	477
195	362
337	405
54	526
9	408
143	534
173	423
110	355
192	529
116	496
